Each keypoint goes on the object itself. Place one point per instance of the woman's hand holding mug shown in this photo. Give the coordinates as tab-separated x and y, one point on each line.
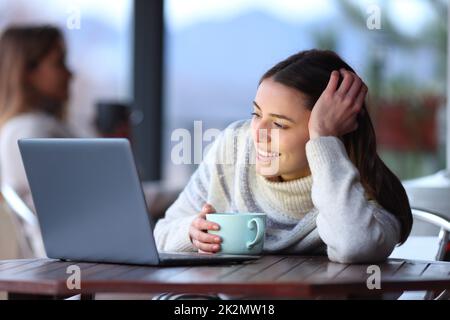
203	241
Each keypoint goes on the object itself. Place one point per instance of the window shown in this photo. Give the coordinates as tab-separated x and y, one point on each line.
98	36
217	50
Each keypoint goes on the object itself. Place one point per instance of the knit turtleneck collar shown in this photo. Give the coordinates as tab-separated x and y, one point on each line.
293	198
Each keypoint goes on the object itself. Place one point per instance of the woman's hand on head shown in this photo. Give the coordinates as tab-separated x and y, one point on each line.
203	241
336	111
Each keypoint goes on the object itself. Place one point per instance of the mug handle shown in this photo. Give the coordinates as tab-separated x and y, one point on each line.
259	231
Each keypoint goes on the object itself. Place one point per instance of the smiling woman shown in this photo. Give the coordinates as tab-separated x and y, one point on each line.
337	106
279	107
326	191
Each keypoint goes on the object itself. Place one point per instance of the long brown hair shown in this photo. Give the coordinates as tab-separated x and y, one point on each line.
21	50
309	72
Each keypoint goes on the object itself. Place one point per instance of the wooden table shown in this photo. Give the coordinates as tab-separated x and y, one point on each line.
270	277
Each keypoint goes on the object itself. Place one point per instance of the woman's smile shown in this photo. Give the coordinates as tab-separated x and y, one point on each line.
266	157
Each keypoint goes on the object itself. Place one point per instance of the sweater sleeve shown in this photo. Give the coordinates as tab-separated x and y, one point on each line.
354	228
172	231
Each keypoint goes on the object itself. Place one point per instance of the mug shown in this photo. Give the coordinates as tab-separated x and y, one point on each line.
241	233
113	119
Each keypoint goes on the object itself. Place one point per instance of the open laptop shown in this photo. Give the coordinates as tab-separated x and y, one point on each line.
91	206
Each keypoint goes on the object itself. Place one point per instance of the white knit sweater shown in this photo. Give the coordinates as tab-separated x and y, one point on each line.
325	212
35	124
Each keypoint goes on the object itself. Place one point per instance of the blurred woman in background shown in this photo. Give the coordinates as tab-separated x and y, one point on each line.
34	89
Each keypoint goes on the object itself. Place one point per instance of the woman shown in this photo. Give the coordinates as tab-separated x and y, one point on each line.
329	192
34	88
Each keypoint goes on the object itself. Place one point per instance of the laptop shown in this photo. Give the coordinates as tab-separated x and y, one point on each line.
91	207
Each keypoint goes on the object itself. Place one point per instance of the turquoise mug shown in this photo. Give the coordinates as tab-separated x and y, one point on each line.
241	233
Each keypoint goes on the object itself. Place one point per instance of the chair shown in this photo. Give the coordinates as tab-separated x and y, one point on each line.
26	223
9	244
439	221
439	244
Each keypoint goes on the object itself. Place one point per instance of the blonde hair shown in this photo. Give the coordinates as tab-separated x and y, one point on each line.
21	50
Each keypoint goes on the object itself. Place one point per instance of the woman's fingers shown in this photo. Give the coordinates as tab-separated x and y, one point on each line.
202	224
205	237
203	241
354	89
207	208
359	101
337	113
333	82
346	83
206	246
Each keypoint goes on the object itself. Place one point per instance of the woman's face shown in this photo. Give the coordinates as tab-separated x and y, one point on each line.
280	131
51	77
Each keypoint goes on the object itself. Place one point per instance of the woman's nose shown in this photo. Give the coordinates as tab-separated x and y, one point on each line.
263	134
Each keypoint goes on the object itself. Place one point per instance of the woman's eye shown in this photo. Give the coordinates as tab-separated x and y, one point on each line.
254	114
279	125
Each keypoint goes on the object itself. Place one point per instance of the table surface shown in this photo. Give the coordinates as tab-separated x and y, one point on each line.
270	276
